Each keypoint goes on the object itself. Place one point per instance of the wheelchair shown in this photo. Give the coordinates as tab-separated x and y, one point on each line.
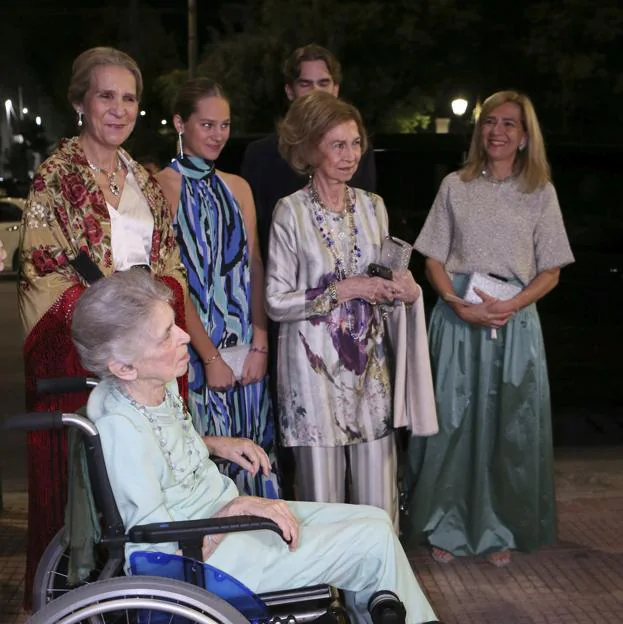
184	590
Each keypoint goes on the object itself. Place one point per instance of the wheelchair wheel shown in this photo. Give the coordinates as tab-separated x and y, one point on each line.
51	575
138	600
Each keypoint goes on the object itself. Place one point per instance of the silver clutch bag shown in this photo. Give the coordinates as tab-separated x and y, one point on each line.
395	254
493	286
234	357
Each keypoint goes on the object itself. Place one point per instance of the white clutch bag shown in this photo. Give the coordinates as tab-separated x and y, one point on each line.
493	286
234	357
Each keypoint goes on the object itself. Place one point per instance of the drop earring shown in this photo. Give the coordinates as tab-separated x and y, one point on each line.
180	144
522	147
79	119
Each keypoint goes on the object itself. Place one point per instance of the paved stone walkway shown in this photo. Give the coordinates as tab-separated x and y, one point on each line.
578	581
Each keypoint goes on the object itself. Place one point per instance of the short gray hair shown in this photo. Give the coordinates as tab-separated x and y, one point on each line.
109	321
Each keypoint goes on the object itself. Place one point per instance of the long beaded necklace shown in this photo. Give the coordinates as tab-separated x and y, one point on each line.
182	415
337	245
113	184
329	237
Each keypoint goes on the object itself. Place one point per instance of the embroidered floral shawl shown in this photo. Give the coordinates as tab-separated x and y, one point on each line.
66	212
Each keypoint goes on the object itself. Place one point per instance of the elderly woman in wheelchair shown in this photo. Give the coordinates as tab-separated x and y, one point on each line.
160	469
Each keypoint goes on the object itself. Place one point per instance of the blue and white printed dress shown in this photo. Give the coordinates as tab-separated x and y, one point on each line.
213	246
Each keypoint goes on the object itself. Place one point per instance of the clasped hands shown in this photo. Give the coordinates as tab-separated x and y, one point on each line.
402	287
220	377
491	312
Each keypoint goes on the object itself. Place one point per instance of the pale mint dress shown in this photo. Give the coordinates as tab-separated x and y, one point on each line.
349	546
485	482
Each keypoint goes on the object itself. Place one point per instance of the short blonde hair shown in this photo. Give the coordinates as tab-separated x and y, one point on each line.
307	121
531	163
83	66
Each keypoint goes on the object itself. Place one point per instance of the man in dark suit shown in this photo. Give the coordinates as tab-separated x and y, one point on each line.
269	175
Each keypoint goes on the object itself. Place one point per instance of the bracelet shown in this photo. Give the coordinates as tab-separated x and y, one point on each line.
332	292
263	350
212	359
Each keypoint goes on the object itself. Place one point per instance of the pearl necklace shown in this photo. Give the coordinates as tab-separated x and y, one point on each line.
113	185
182	415
327	233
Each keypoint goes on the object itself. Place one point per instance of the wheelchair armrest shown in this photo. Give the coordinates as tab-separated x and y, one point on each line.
187	530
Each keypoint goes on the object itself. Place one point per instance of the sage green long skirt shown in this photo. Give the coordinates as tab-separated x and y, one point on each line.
485	482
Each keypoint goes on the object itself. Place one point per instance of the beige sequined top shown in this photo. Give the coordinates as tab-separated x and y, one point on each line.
491	227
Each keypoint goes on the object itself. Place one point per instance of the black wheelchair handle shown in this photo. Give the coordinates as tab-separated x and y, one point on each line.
33	421
186	530
58	385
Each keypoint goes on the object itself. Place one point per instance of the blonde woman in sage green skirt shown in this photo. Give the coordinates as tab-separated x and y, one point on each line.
485	484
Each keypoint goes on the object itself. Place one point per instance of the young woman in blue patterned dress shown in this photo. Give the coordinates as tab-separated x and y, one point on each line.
216	230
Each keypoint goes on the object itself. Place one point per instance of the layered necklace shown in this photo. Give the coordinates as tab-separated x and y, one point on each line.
181	414
340	244
111	176
335	243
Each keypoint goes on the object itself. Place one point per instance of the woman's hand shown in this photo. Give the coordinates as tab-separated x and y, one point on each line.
219	376
491	312
408	289
371	289
275	510
241	451
210	544
255	366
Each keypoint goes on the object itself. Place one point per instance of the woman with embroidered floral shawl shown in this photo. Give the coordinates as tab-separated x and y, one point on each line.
215	220
334	386
91	210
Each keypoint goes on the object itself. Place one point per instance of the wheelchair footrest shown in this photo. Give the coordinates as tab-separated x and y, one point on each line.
299	606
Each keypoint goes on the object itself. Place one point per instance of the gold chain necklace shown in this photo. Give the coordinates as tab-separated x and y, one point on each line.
113	185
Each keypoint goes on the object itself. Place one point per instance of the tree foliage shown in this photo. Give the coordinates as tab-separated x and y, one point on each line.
382	47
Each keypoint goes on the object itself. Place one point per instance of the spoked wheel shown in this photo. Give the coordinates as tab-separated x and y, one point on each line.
51	575
138	600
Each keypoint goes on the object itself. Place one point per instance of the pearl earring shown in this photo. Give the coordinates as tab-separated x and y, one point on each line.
80	119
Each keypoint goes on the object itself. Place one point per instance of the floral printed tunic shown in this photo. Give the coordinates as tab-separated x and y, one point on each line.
333	376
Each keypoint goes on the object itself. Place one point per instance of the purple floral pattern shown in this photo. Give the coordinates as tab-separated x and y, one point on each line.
334	384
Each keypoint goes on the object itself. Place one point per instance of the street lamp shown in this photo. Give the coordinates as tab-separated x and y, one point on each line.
459	106
25	110
38	120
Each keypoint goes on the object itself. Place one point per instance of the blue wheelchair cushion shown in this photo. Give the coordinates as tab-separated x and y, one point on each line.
215	581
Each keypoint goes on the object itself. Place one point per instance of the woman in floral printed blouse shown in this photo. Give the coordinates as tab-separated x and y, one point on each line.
334	384
90	206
